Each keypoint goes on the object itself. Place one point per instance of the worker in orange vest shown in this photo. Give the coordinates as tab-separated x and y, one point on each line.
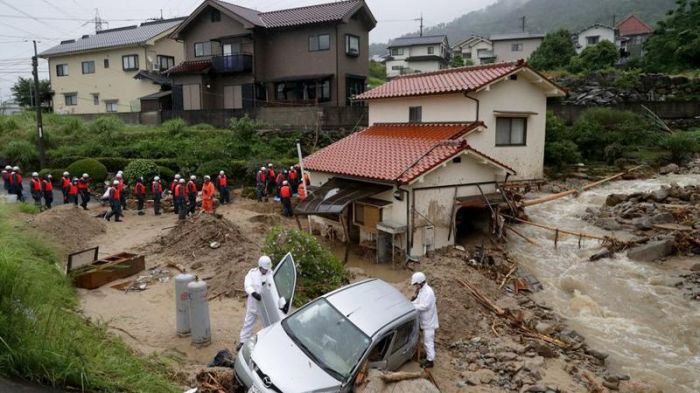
122	190
115	202
35	189
47	189
301	191
293	178
208	195
261	184
271	179
286	199
191	192
65	186
222	185
157	191
140	194
179	199
73	192
173	185
84	190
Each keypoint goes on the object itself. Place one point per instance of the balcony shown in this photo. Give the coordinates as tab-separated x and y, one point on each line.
232	63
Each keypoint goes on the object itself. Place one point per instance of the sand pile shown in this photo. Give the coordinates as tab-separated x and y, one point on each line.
72	229
213	248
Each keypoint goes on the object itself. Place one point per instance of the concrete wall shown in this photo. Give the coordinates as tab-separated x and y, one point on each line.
604	34
504	52
111	83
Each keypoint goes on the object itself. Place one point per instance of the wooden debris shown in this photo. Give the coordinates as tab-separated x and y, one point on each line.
505	279
593	385
399	376
177	267
674	227
560	231
527	239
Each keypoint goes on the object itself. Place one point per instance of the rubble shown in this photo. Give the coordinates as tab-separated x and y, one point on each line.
652	251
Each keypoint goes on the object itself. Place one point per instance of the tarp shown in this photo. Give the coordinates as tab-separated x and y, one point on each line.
335	195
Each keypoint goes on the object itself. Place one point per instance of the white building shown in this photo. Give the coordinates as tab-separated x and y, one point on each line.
515	46
476	49
439	147
594	34
409	55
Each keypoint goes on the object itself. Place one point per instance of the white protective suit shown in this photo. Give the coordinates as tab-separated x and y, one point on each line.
254	282
427	313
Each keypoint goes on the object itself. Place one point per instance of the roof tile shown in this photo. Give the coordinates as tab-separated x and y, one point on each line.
328	12
189	67
632	25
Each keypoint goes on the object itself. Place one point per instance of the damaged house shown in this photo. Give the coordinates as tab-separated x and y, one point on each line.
438	149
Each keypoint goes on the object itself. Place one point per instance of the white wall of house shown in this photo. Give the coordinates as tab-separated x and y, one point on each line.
393	67
519	95
504	49
593	35
112	84
472	52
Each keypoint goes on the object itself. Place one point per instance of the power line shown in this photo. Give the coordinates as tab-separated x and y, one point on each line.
26	14
43	18
60	11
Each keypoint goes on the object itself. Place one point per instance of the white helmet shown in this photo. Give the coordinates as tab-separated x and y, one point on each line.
119	175
193	177
49	176
265	262
85	175
120	172
181	181
270	165
177	176
207	177
66	174
417	278
285	182
262	168
116	182
35	174
156	178
9	168
221	173
15	168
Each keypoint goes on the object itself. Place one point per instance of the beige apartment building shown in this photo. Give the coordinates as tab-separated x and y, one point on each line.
111	70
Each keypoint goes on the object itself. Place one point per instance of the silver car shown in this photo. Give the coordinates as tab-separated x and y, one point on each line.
320	347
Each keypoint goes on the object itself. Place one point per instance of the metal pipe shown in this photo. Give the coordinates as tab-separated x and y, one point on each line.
466	95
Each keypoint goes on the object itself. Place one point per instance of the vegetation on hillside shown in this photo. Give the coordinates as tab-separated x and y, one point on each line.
377	74
675	44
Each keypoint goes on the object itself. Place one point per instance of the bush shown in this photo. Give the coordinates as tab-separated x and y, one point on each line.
64	161
593	58
8	123
243	128
174	126
239	172
21	153
554	53
613	151
597	128
106	126
94	168
166	173
561	153
140	168
114	164
69	125
202	127
249	192
56	174
318	270
167	162
29	208
212	168
682	145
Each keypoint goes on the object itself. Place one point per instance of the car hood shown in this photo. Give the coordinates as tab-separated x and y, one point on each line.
288	367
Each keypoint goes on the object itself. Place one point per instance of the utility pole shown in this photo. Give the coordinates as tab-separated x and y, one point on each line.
37	104
614	17
421	23
523	23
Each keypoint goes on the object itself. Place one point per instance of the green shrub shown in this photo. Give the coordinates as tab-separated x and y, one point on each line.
56	174
106	126
239	172
244	128
8	123
114	164
318	270
94	168
597	128
174	126
561	153
212	168
64	161
140	168
593	58
166	173
682	145
29	208
202	127
69	125
21	153
248	192
167	162
613	151
628	80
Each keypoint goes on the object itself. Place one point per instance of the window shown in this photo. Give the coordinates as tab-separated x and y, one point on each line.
165	62
403	336
106	63
130	62
397	51
378	353
215	15
516	47
431	50
88	67
61	69
352	45
592	40
468	55
396	68
325	88
319	42
111	106
71	99
415	114
202	49
95	99
511	131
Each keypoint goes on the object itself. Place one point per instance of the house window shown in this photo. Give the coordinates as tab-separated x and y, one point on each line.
88	67
61	69
397	51
95	99
106	63
352	45
71	99
319	42
325	90
592	40
165	62
111	106
431	50
396	68
215	15
415	114
130	62
511	131
353	86
516	47
202	49
467	55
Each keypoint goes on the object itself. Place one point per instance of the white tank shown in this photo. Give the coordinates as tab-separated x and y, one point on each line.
182	304
199	313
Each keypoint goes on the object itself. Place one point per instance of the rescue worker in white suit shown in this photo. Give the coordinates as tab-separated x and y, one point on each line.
425	303
255	280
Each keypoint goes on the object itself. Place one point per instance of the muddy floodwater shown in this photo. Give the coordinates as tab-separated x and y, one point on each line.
625	308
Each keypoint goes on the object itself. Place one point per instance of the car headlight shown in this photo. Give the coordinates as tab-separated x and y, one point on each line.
248	349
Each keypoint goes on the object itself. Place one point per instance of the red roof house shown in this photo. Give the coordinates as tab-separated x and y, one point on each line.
632	25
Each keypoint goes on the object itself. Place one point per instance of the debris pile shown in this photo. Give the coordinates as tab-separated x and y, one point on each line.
70	228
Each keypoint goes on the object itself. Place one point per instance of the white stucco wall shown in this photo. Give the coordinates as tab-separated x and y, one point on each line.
605	34
471	52
504	49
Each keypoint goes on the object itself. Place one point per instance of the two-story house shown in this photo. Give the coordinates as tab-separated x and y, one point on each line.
594	34
430	167
475	49
240	58
408	55
109	71
632	33
515	46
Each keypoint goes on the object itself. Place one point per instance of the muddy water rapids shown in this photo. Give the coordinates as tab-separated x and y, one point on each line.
627	309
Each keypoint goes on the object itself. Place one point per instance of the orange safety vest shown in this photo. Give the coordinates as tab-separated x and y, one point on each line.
285	192
36	185
302	192
48	186
223	181
139	189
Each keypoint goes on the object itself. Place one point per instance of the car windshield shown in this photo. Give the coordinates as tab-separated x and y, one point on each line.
327	337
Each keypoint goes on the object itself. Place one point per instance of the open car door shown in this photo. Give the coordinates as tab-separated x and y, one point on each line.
277	296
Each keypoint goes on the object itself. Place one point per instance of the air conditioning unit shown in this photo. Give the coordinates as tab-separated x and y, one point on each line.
155	67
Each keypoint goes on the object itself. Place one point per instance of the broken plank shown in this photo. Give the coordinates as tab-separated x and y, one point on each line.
399	376
674	227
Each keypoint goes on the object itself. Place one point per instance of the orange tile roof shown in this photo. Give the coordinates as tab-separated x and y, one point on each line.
395	152
190	67
632	25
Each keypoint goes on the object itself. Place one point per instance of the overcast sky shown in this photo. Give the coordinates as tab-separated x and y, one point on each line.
49	21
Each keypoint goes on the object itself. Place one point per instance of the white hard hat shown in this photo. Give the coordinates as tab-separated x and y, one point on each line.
35	174
193	177
156	178
265	262
49	176
262	168
66	174
85	175
119	175
8	167
285	182
417	278
15	168
116	182
177	175
270	164
221	172
182	181
207	177
120	172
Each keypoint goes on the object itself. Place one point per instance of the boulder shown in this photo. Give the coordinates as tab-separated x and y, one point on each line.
663	218
660	195
695	268
670	168
607	223
651	251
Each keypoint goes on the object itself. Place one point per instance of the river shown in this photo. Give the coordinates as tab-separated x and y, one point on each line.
627	309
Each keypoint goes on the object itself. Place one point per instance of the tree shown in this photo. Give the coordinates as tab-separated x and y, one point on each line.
555	52
597	57
675	44
377	74
23	90
457	61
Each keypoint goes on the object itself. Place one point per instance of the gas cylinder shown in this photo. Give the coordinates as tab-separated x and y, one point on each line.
182	304
199	313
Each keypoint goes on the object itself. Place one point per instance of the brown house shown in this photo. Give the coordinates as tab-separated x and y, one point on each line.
240	58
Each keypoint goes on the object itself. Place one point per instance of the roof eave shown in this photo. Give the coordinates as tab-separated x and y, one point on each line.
361	5
104	48
176	33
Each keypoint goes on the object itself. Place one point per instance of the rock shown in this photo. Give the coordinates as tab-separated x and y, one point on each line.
376	385
643	223
481	376
670	168
695	268
611	385
598	355
608	224
638	387
660	195
604	253
537	389
615	199
543	350
507	356
663	218
544	328
651	251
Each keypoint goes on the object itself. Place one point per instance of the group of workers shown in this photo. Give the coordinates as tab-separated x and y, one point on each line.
423	300
185	194
41	188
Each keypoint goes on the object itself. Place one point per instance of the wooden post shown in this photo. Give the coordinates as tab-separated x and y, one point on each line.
298	223
556	237
347	238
